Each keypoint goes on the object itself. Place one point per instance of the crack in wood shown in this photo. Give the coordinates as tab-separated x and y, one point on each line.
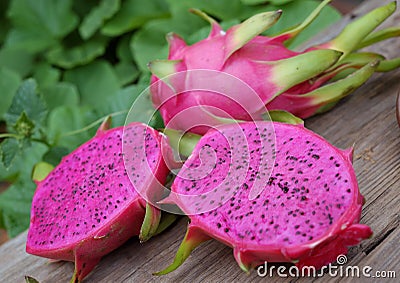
382	235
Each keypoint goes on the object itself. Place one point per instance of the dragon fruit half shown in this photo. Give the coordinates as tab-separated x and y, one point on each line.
88	206
306	213
283	79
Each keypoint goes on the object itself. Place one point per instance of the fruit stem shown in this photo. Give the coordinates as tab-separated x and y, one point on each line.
150	223
167	219
41	141
8	135
194	237
95	123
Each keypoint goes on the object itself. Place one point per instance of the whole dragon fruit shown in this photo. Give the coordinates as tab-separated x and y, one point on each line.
306	213
282	78
88	206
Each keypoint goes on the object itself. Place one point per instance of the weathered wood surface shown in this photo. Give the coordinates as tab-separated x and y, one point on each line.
367	118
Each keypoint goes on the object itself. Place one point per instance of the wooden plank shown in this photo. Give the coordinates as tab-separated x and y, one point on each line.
366	118
386	251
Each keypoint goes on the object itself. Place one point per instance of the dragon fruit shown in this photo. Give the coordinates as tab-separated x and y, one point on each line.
302	83
88	206
306	213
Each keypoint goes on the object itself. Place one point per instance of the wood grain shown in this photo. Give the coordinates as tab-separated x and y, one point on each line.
366	118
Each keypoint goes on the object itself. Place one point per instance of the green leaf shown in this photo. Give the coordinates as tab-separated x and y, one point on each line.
223	9
62	93
15	202
23	163
120	101
143	110
133	14
10	174
277	2
97	16
149	42
16	60
82	8
4	24
55	154
81	54
9	83
24	126
123	49
46	75
10	148
126	72
27	100
257	2
20	39
66	119
95	82
39	24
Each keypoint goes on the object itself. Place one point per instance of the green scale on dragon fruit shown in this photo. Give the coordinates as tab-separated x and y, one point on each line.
306	213
88	205
303	83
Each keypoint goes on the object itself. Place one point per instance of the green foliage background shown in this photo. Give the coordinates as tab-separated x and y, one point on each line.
65	64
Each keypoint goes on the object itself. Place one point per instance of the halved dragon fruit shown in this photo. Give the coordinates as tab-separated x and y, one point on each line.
282	78
306	213
89	205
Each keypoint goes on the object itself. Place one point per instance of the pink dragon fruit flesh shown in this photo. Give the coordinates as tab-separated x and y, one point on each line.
88	206
307	212
303	83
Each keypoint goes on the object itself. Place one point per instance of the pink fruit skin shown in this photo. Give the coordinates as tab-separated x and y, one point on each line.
245	64
296	148
108	210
